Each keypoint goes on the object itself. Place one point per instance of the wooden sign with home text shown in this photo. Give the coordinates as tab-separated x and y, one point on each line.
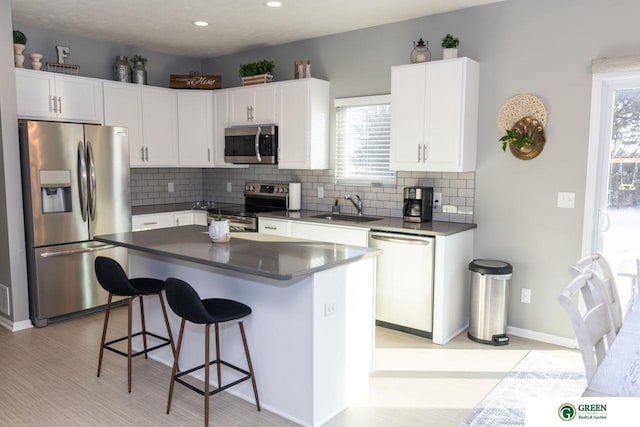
187	81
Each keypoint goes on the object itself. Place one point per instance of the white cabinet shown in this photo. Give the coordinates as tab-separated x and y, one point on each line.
330	233
220	122
167	219
253	105
278	227
303	132
123	107
50	96
434	115
150	113
195	128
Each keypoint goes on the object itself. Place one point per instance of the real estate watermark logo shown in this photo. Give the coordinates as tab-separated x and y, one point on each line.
568	412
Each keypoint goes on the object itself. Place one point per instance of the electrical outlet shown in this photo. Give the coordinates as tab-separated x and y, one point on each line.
170	187
566	200
320	192
330	309
437	199
229	187
525	296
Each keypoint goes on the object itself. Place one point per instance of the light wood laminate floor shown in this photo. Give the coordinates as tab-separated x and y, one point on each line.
48	378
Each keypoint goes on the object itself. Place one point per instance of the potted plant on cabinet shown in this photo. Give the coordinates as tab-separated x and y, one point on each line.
450	47
525	139
19	44
257	72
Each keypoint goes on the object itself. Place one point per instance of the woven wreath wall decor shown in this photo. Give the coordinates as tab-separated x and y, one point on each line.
522	119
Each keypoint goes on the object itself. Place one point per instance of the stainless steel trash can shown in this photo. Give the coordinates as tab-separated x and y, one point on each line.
489	299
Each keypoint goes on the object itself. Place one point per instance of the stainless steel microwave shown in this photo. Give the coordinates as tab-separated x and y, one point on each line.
251	144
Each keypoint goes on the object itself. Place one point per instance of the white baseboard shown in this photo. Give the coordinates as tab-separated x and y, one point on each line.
539	336
15	326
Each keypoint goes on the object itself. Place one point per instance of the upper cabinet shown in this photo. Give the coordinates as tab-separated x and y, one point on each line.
434	115
303	125
252	105
220	122
150	113
51	96
195	128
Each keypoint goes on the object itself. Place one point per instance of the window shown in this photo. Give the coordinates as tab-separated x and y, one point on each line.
363	129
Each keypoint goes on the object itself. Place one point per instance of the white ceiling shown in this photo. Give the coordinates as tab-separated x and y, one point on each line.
234	25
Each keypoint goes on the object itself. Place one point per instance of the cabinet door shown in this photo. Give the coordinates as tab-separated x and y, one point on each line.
183	218
159	126
123	107
200	218
35	90
276	227
195	128
253	105
330	233
79	99
303	134
408	115
151	221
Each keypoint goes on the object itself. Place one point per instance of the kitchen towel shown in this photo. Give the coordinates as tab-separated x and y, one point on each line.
294	196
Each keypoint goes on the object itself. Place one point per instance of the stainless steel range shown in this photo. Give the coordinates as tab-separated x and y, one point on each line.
258	197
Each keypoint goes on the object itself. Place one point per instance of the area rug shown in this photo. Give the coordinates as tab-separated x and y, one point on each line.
539	374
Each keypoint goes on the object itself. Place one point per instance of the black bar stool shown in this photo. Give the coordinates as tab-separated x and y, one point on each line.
186	303
115	281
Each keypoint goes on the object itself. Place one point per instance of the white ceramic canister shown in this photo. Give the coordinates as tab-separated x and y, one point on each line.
219	231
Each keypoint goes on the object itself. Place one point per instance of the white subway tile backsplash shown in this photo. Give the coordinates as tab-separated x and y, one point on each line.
149	186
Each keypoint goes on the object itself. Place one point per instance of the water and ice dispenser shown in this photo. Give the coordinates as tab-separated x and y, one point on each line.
55	191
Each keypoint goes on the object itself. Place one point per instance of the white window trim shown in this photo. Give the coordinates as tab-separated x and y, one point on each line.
355	102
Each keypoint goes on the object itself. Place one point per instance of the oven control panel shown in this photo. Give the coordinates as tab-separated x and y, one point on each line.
261	189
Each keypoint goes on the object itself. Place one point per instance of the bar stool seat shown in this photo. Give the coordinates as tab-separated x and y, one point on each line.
186	303
114	280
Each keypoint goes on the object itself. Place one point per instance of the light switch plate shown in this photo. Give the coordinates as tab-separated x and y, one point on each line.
320	192
566	200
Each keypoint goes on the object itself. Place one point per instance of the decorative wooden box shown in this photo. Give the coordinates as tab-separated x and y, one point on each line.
256	80
187	81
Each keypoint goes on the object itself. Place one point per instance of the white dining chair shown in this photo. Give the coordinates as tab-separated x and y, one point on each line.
598	263
592	323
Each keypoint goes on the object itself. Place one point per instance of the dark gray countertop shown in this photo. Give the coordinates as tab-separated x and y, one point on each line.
431	228
274	257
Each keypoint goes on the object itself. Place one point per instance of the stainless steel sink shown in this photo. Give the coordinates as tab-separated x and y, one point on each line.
343	217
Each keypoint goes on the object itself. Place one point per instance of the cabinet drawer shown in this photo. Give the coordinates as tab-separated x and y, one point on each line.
150	222
274	226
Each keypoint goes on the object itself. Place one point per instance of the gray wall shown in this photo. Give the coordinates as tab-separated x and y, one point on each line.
13	269
541	47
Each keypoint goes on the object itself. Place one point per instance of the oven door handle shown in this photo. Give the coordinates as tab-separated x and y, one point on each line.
258	144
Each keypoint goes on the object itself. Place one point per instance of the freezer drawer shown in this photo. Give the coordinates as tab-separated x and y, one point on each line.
404	281
65	279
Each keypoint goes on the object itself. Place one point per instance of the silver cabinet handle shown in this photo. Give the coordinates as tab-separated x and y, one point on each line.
76	251
142	153
177	221
146	153
270	227
59	105
150	223
248	112
419	153
53	104
208	154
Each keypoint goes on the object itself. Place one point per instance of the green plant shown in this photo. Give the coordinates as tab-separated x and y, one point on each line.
139	58
518	139
450	42
19	37
255	68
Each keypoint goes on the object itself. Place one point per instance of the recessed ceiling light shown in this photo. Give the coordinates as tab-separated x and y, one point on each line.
201	23
273	4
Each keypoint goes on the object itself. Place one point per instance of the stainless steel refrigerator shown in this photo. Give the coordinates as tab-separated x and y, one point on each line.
75	181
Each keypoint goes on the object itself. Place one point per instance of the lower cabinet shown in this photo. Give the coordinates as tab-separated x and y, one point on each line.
167	219
277	227
312	231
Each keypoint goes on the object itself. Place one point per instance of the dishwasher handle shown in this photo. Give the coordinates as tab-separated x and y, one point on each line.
397	238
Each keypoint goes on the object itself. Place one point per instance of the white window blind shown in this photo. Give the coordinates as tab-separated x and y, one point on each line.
363	129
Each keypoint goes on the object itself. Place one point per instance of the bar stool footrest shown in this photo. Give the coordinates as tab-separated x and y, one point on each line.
219	389
165	342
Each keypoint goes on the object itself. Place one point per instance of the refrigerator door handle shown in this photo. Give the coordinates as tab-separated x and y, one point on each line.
92	181
82	180
76	251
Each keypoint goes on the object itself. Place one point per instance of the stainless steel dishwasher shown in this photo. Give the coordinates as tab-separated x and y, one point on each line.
404	282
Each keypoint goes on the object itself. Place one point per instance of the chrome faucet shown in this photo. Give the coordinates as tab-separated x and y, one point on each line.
357	204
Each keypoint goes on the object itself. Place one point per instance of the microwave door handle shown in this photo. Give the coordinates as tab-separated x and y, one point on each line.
82	180
92	181
258	145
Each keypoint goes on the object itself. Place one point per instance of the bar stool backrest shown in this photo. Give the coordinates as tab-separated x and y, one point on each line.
185	302
112	277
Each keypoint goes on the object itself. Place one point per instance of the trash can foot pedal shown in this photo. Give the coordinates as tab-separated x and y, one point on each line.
500	339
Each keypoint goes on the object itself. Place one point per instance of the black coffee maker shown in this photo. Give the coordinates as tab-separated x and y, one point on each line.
418	204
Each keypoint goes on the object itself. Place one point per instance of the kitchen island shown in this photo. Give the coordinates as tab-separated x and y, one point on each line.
311	331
